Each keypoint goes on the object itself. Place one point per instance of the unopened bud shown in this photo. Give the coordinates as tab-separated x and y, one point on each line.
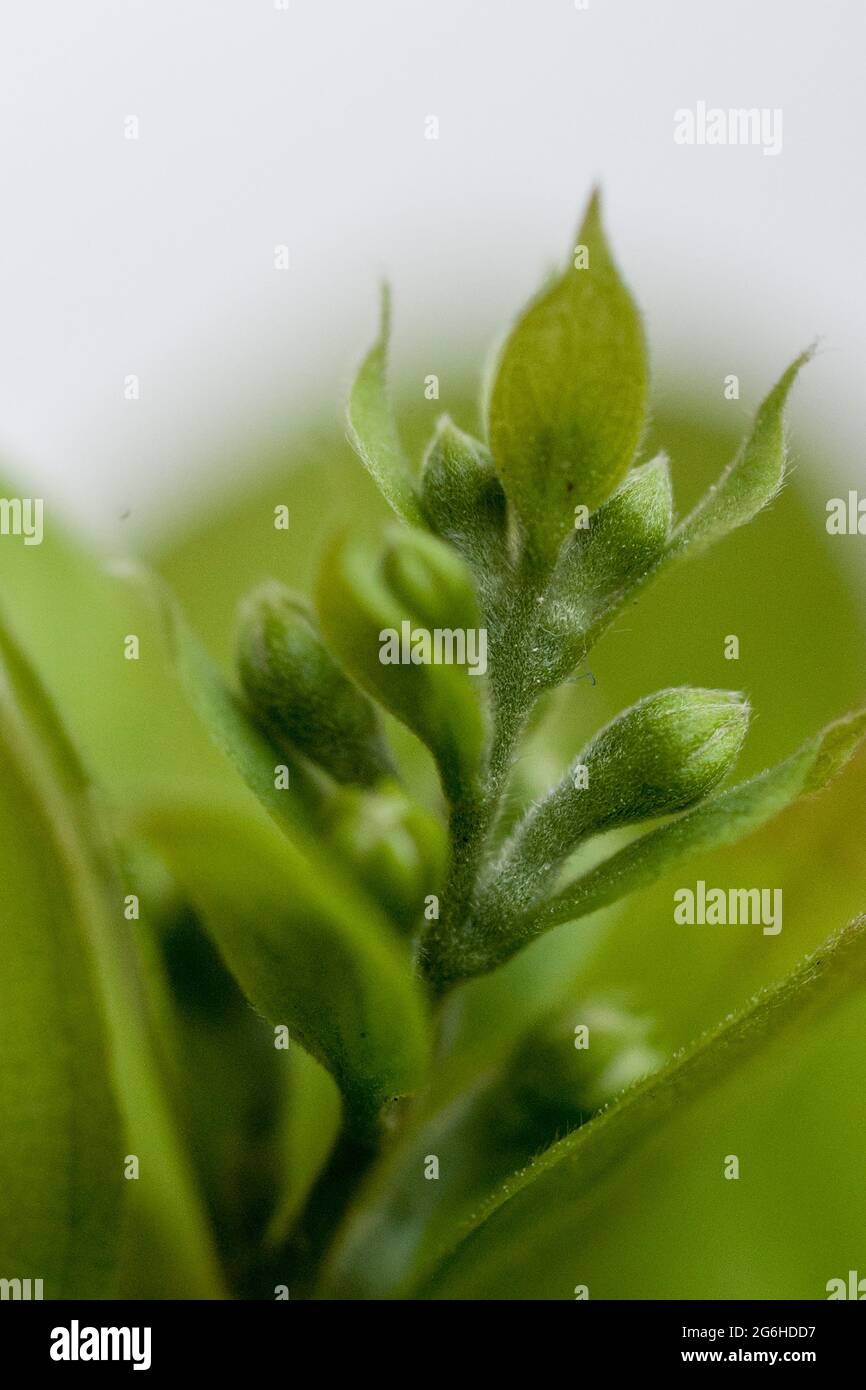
569	1068
660	756
397	849
300	695
461	496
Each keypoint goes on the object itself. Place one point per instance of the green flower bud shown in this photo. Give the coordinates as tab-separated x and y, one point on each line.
565	1071
462	498
397	849
406	626
623	541
300	695
662	755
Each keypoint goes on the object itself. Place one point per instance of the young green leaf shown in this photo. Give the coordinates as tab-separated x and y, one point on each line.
372	430
310	1124
300	695
308	952
380	615
513	1246
748	484
568	400
720	821
751	481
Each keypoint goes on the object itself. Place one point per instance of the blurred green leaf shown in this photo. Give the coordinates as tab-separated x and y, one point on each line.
226	1078
515	1243
308	954
61	1142
569	397
372	429
502	1118
309	1125
111	988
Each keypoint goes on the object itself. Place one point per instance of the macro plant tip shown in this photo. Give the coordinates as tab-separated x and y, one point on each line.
704	730
230	1067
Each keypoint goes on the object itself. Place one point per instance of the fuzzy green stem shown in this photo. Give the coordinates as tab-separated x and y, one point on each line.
447	948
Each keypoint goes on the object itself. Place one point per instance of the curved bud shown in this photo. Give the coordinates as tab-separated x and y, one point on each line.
575	1064
397	849
660	756
298	692
405	625
624	540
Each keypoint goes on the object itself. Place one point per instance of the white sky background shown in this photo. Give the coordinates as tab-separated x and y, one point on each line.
306	127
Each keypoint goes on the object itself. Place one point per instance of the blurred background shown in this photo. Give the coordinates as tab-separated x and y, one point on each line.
304	126
264	123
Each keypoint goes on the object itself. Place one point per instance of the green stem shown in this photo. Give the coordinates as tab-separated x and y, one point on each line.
447	949
334	1190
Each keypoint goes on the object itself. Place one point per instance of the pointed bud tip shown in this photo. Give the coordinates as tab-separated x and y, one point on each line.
707	731
671	748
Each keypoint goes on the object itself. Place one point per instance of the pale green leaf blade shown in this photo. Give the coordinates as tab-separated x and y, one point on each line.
165	1196
61	1141
372	430
568	400
751	481
515	1243
307	953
